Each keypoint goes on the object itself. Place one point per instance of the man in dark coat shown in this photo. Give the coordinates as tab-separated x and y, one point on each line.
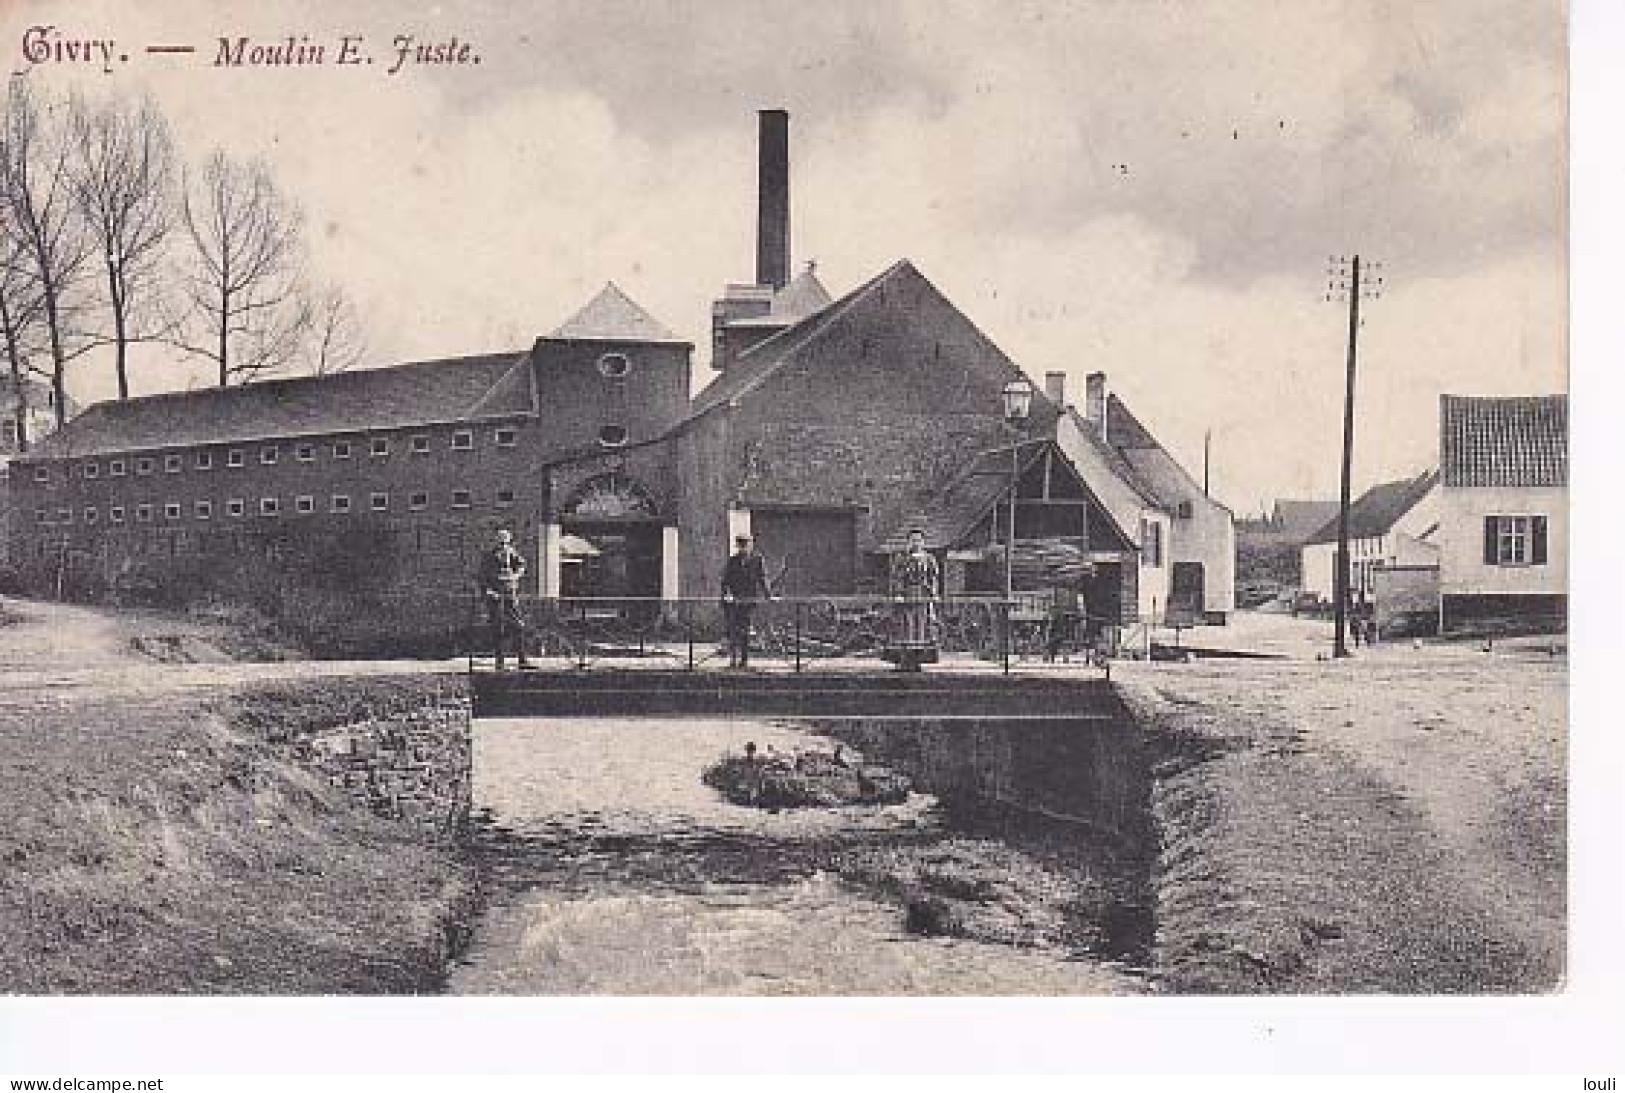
501	569
744	585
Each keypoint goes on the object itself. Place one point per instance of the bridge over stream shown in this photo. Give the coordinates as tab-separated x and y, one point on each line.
822	695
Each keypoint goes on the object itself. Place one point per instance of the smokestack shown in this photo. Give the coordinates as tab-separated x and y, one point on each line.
1094	406
1055	388
773	199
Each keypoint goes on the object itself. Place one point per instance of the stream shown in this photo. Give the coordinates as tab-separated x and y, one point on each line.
610	868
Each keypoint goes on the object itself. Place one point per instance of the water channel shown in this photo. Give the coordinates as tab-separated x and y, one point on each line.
611	869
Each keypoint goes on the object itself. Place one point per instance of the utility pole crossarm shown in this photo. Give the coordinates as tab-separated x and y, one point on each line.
1347	279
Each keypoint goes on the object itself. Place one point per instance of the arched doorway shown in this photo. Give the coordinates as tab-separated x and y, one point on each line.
613	540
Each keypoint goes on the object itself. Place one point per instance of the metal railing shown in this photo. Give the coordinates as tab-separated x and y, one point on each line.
793	632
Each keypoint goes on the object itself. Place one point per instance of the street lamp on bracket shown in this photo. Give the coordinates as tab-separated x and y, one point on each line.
1017	399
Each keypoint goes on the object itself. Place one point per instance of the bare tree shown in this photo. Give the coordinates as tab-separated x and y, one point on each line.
44	222
19	323
123	176
250	311
337	339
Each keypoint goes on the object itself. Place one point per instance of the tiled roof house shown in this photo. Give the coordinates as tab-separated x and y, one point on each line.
1504	510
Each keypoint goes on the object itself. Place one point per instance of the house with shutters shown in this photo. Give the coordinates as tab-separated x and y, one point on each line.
1503	511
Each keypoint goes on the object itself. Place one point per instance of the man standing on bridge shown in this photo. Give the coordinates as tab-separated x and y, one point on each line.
744	585
501	569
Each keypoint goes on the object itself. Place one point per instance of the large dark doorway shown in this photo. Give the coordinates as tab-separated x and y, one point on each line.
1186	594
627	562
808	552
1103	595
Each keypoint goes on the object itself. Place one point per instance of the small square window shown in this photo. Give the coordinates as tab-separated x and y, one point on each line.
42	516
341	449
143	465
202	509
172	510
235	507
462	440
92	469
268	454
172	463
203	461
380	502
269	506
116	514
417	501
234	457
506	437
420	444
304	503
115	468
143	514
90	514
64	516
42	474
305	453
504	498
380	445
461	499
340	503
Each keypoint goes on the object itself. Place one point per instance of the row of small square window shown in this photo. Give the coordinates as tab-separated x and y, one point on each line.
269	506
461	441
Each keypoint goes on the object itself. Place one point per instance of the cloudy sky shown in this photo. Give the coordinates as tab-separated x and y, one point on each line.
1149	188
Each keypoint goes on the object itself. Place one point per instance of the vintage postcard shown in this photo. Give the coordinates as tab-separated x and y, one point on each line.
733	499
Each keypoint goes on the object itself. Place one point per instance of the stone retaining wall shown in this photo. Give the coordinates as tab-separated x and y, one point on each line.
412	767
400	748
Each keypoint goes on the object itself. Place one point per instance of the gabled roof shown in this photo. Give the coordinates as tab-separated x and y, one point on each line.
423	393
1504	441
953	513
1379	508
613	316
1302	518
804	296
1115	462
760	361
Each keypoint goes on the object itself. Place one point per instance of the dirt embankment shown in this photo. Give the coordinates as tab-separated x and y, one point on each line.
158	840
1370	827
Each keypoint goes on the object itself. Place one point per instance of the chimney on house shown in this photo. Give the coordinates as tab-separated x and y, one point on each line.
1055	388
773	199
1094	405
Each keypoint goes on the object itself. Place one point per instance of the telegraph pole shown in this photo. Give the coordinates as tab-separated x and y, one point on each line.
1344	277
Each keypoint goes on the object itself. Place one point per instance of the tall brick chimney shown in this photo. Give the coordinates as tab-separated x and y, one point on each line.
773	199
1055	388
1094	402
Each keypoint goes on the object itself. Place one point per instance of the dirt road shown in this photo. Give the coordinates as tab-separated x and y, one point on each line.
1404	810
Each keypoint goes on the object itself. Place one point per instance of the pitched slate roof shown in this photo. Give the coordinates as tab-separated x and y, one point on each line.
423	393
1504	441
953	513
613	316
1115	460
766	357
1379	508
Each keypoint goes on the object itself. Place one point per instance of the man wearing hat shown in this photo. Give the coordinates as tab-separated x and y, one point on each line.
744	585
501	569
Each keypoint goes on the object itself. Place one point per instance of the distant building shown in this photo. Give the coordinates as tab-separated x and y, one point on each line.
26	415
1299	519
1394	524
1503	510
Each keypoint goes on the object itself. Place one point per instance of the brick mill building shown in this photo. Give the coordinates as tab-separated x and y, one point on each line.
832	426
